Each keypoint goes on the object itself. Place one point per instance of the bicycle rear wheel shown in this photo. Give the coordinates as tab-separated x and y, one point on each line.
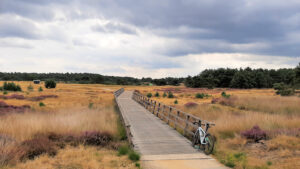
210	143
195	140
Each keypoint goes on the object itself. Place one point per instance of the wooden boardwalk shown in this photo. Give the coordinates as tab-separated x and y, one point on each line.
161	146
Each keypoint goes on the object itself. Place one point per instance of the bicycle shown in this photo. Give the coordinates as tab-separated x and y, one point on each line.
202	138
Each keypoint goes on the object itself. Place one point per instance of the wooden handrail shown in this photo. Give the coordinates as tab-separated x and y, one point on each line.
117	93
181	120
123	120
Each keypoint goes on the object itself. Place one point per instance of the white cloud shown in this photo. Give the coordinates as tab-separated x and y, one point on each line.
154	42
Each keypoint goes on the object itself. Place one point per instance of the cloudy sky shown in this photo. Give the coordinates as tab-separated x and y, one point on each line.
142	38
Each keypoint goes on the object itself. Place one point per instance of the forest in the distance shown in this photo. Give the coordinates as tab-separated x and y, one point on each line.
210	78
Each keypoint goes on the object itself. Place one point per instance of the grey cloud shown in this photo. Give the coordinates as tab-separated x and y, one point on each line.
114	28
234	21
15	45
14	27
200	26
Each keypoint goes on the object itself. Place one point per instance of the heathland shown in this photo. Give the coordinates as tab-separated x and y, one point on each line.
70	126
76	125
255	128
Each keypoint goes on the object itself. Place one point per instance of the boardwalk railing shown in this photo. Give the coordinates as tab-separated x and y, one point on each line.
123	120
181	121
118	92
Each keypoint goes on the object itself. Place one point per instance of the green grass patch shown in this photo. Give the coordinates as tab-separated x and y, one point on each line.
226	134
91	105
134	156
123	150
41	104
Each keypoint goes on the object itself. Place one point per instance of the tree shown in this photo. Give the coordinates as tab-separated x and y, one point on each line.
50	84
297	76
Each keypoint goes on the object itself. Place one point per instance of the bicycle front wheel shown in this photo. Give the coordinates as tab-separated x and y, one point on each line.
210	143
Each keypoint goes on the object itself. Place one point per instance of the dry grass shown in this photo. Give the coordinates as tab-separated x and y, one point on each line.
79	158
70	112
25	126
269	104
78	108
250	107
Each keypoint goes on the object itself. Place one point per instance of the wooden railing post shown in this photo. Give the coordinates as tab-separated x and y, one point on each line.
169	112
158	109
186	124
154	107
176	119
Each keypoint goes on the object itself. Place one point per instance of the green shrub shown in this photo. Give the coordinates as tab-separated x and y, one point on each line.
269	163
286	92
1	88
42	104
11	87
121	130
123	150
5	92
279	86
165	94
199	95
149	95
170	95
223	94
176	102
156	94
50	84
230	161
91	105
283	90
133	156
40	89
30	88
138	165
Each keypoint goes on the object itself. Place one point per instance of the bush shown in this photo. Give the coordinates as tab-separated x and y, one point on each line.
165	94
30	88
50	84
149	95
286	92
5	92
134	156
91	105
11	87
223	94
170	95
278	86
1	88
138	165
123	150
156	94
255	134
190	105
199	95
176	102
283	90
40	89
95	138
37	146
41	104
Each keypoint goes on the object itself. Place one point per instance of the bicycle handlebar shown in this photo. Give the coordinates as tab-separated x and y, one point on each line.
204	124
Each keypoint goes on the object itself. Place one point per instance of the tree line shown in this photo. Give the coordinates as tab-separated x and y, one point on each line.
243	78
210	78
83	78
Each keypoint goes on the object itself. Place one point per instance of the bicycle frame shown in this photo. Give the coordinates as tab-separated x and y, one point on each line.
202	133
